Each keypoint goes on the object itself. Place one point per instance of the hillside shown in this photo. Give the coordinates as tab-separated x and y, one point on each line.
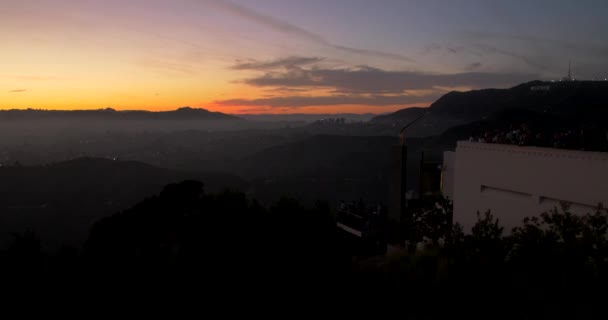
579	100
328	167
317	153
59	201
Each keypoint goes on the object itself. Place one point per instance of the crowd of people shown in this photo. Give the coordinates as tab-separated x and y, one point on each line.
523	135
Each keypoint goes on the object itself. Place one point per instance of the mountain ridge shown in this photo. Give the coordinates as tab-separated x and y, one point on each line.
184	113
581	100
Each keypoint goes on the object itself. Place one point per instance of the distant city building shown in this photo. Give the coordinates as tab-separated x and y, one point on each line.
520	181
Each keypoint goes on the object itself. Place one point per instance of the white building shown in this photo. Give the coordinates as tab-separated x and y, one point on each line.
515	182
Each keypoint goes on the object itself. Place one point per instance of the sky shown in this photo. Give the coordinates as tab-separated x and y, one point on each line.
287	56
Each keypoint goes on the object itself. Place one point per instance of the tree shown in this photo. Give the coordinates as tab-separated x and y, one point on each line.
25	247
486	243
433	221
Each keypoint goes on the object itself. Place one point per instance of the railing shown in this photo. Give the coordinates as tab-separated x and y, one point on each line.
354	223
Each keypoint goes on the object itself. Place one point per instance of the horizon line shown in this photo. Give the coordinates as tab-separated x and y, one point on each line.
110	109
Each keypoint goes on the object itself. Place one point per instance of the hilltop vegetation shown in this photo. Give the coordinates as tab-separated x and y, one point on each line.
225	249
60	201
576	101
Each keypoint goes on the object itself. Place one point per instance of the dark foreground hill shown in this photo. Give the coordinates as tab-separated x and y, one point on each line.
60	201
187	250
583	101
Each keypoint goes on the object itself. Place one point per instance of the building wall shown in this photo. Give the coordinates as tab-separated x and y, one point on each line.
515	182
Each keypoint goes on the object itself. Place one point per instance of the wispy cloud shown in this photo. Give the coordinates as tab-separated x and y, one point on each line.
306	101
286	90
291	29
594	48
268	21
536	62
473	66
274	64
377	81
17	91
543	54
367	52
433	47
437	48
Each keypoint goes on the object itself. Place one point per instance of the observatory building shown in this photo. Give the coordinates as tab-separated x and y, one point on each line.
515	182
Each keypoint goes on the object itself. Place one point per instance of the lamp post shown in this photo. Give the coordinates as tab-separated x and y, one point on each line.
404	219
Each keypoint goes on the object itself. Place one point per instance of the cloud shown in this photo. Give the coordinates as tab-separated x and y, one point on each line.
538	63
437	48
473	66
306	101
268	21
367	52
17	91
433	47
546	55
594	48
287	62
377	81
286	89
291	29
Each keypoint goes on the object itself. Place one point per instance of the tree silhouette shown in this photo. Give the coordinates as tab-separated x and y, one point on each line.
234	249
25	247
433	221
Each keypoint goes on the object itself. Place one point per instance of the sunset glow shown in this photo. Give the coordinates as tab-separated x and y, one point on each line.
275	56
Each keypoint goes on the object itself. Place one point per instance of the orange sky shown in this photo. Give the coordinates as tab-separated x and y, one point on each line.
267	56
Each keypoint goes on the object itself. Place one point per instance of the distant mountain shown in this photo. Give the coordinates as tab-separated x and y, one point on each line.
185	113
59	201
580	100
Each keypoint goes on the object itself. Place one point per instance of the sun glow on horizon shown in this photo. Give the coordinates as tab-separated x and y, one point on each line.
273	57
